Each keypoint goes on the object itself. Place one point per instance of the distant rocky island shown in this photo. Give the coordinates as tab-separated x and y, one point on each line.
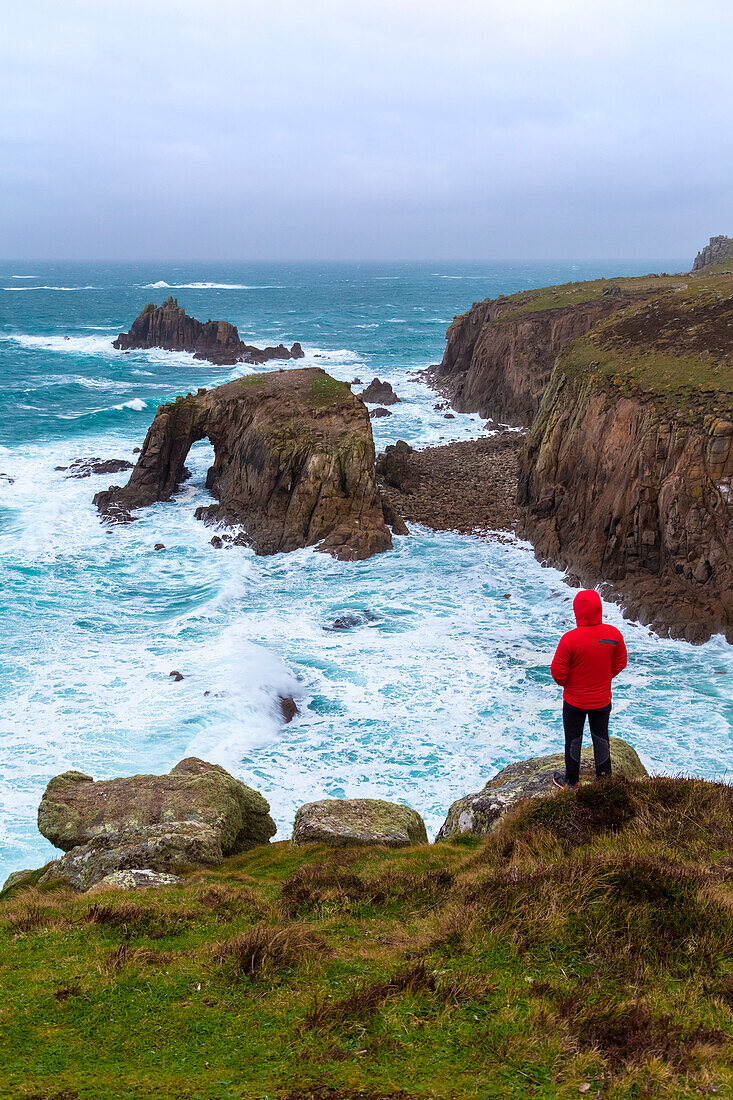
168	326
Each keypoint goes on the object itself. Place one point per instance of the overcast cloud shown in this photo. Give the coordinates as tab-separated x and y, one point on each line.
342	129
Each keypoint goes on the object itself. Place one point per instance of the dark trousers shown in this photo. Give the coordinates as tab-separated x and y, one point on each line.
573	719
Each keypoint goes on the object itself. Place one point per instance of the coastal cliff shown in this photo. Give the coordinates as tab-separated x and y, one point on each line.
168	326
293	463
499	355
627	472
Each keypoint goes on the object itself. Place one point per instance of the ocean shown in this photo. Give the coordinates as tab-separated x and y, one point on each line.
444	681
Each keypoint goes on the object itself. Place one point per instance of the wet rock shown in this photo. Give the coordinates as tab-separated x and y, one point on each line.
288	707
376	413
293	463
86	467
448	416
479	814
379	393
358	821
392	517
355	382
159	546
217	542
75	810
349	619
169	326
10	480
176	675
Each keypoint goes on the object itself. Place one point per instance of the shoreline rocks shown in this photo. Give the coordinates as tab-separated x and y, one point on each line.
469	487
480	814
293	463
379	393
358	821
168	326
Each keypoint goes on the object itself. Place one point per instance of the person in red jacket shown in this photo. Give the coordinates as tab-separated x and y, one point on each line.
585	662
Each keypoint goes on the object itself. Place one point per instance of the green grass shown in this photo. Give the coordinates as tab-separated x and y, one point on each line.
526	302
325	389
589	941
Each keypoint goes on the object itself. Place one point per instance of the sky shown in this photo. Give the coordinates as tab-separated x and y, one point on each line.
351	130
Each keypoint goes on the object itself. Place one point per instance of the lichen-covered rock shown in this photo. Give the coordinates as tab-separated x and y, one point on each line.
480	814
293	463
358	821
194	795
165	848
134	879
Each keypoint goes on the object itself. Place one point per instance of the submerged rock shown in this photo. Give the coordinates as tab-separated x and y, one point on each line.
350	619
169	326
358	821
86	467
293	463
288	707
196	814
379	393
479	814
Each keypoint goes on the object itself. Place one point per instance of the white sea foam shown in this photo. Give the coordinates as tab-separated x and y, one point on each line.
136	403
23	276
19	288
70	345
162	285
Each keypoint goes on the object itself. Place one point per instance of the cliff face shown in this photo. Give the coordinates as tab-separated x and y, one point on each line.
168	326
627	475
499	357
719	251
294	463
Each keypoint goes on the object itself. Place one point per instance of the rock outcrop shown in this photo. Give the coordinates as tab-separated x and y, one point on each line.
379	393
196	815
627	475
719	251
168	326
480	814
294	463
359	822
87	467
499	355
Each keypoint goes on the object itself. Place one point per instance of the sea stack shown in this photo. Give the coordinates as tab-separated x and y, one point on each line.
294	463
168	326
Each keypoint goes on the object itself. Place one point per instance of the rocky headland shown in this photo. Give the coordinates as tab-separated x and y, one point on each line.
293	463
168	326
627	472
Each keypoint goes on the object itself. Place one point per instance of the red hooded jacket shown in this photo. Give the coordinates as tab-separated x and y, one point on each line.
587	658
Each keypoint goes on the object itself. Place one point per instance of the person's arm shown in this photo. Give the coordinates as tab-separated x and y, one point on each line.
561	663
620	656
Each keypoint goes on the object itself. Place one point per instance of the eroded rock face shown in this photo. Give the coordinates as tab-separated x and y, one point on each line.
195	798
480	814
719	251
621	491
294	463
499	366
358	821
169	326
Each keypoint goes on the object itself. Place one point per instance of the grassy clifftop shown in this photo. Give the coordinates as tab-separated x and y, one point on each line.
587	948
676	348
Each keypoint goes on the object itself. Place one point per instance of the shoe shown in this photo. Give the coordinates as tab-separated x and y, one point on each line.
560	780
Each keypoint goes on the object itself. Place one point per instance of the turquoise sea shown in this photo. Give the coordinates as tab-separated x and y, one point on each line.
444	684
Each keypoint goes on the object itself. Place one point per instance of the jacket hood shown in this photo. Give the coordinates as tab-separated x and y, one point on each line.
588	608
